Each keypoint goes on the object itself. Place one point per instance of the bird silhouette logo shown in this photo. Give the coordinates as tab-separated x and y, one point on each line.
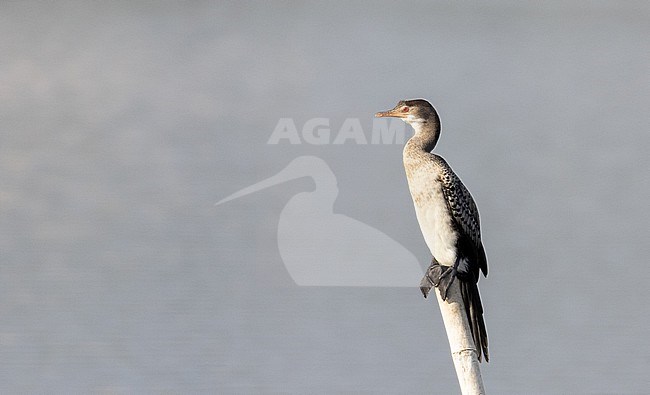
323	248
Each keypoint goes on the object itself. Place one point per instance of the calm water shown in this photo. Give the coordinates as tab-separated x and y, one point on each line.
123	124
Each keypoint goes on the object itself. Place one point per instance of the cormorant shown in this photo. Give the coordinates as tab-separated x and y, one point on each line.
447	215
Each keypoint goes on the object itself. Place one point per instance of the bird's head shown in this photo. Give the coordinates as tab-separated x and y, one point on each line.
411	111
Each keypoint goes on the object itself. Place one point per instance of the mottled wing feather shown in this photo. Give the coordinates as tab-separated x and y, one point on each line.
461	204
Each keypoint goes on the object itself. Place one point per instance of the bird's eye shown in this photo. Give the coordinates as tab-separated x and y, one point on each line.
405	109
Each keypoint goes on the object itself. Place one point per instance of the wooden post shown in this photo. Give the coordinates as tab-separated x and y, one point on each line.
463	351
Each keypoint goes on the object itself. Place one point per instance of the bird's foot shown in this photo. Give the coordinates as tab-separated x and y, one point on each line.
431	278
438	276
425	285
447	270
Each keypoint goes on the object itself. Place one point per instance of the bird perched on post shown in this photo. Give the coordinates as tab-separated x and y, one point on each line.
447	215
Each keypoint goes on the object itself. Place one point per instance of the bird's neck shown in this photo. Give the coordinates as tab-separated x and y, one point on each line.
425	137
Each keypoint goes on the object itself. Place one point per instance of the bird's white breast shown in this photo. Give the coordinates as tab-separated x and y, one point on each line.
432	211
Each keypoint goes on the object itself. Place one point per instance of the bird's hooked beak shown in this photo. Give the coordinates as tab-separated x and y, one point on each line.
400	111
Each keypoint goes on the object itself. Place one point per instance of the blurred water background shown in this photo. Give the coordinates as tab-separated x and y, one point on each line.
122	123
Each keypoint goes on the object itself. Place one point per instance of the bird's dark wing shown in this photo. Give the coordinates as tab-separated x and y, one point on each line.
464	211
470	255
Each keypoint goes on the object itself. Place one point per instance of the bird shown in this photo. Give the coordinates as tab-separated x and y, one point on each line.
322	248
447	215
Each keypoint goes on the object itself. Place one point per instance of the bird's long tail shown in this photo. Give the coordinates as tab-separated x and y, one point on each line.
442	277
474	310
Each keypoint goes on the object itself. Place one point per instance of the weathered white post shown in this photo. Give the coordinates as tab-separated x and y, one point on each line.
463	351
